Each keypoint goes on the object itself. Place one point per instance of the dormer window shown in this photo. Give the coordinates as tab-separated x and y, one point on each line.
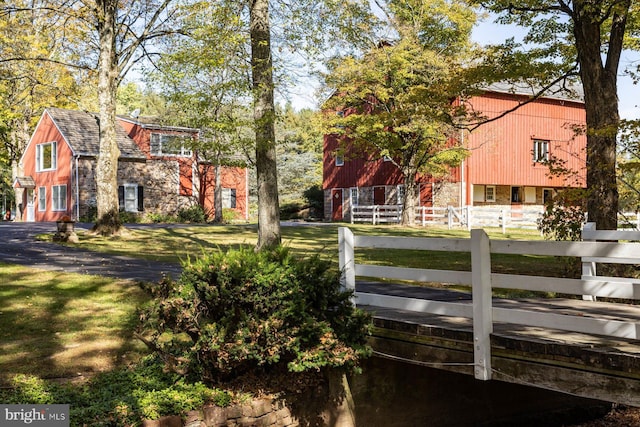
170	145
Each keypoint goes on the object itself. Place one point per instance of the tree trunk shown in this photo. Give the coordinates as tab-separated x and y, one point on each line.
217	191
264	116
601	102
108	221
409	200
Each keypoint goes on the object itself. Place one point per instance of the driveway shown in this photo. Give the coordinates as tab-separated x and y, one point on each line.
18	245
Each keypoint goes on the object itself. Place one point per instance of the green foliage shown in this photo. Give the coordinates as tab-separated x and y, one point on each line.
314	196
229	215
244	312
193	214
158	218
118	398
129	217
563	217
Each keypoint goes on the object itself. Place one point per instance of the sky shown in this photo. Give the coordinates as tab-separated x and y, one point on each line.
488	32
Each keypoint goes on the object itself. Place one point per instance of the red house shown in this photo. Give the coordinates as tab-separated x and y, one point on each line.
506	167
157	172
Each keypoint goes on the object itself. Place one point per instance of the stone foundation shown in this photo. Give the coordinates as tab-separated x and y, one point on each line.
258	413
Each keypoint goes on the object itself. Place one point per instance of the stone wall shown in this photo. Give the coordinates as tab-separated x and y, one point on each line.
258	413
159	179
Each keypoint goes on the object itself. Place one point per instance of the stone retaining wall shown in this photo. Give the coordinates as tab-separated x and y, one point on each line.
258	413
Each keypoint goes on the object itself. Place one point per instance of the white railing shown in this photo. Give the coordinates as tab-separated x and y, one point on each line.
468	216
482	281
377	214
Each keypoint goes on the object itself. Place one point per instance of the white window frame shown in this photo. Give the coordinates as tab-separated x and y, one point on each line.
400	190
490	193
339	160
354	200
128	188
156	141
42	199
40	164
540	150
58	203
226	198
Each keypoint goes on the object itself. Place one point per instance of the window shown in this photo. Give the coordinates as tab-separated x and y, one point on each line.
515	195
547	195
529	194
46	156
339	160
386	158
478	193
170	145
354	196
59	198
42	199
130	198
540	150
400	198
490	193
229	198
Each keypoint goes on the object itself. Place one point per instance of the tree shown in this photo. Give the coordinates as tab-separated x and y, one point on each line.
31	78
586	36
204	76
396	101
264	115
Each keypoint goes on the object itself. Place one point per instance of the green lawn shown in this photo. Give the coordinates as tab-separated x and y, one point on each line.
59	325
180	243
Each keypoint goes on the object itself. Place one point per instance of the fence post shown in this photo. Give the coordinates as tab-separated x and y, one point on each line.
449	217
482	310
503	215
588	267
468	212
346	260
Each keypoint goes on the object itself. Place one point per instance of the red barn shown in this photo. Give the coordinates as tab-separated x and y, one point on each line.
507	166
157	172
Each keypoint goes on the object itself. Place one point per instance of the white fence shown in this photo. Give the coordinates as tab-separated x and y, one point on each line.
468	216
482	281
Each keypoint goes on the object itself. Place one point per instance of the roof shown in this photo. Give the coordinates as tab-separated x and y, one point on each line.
148	123
570	92
24	182
81	131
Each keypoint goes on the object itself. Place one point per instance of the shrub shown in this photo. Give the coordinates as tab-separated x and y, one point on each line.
243	312
563	218
194	214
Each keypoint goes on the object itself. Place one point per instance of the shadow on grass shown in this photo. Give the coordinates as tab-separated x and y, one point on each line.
59	325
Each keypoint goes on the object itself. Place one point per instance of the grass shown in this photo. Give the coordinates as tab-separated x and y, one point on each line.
180	243
59	325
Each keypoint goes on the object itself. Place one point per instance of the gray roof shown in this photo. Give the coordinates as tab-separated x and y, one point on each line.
81	131
564	92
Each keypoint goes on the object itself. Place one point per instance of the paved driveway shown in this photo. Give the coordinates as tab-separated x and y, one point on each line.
19	246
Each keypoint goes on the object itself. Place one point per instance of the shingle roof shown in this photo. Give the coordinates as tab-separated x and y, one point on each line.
569	92
81	131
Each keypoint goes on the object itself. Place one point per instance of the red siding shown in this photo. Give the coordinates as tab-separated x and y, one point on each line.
60	176
501	151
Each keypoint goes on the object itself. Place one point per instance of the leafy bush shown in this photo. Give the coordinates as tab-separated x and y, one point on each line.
122	397
229	215
157	218
194	214
563	218
243	312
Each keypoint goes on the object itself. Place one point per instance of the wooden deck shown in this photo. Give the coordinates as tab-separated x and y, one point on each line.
580	364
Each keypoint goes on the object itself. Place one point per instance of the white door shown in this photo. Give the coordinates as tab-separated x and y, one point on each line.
31	205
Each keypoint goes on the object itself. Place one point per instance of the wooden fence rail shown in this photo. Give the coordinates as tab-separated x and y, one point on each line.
482	281
468	216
